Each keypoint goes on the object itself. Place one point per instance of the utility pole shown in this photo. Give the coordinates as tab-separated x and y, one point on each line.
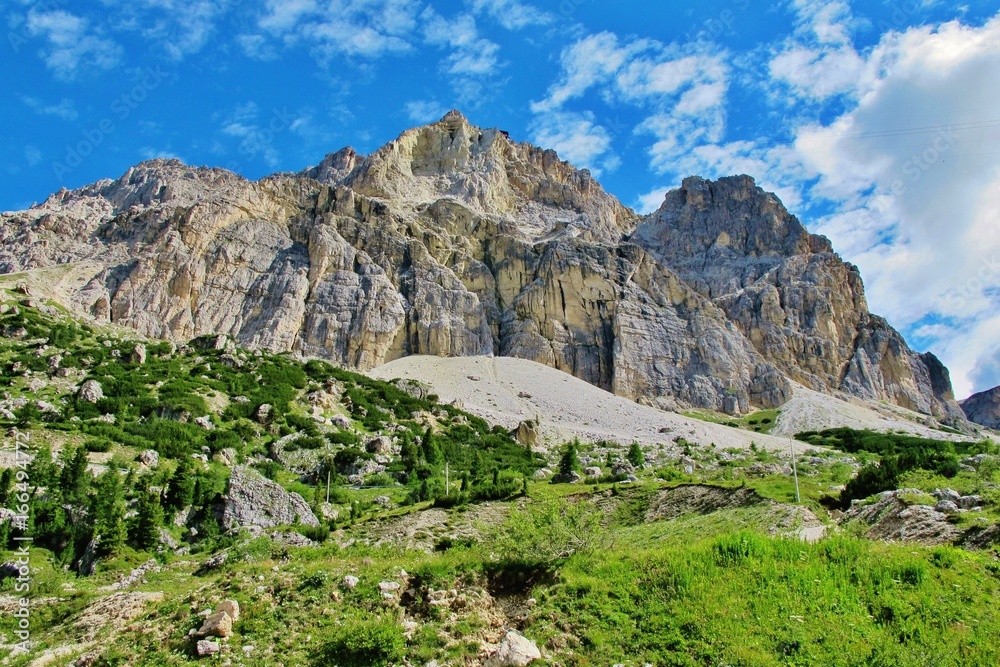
795	471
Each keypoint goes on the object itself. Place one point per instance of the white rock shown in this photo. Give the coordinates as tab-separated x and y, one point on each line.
515	651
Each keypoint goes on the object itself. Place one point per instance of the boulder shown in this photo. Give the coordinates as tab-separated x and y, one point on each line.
138	355
946	507
149	458
219	624
264	413
515	651
253	500
205	422
970	502
592	471
226	457
204	647
91	391
231	607
381	444
527	434
350	582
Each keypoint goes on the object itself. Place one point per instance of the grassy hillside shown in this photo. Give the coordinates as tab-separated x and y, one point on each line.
442	521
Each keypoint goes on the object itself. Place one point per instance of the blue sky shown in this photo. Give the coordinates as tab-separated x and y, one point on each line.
878	123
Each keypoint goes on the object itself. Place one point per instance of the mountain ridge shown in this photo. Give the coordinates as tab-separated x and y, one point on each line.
453	241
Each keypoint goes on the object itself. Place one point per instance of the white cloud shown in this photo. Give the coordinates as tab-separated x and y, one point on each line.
257	47
425	111
651	201
354	28
818	73
589	62
473	62
577	139
65	109
283	15
682	89
512	14
33	155
179	27
914	177
71	44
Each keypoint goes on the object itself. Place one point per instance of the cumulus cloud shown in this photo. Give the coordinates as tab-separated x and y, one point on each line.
925	228
424	111
683	89
473	61
355	28
65	109
577	139
512	14
71	43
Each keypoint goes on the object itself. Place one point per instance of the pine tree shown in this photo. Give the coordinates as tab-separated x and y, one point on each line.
145	532
74	480
6	485
635	455
107	512
42	471
180	488
431	449
570	462
410	454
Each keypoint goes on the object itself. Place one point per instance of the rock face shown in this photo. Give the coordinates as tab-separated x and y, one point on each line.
455	240
984	408
891	518
253	500
91	391
515	651
798	303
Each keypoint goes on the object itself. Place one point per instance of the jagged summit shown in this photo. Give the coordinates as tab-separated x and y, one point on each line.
984	408
455	240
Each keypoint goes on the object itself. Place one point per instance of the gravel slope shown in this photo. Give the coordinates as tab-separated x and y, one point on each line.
507	391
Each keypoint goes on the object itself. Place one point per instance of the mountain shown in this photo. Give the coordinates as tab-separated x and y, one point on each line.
455	241
984	408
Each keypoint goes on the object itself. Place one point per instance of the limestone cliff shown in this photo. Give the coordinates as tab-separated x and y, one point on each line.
984	408
455	240
801	306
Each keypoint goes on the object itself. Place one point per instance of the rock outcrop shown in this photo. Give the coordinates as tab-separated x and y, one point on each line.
798	303
454	240
255	501
984	408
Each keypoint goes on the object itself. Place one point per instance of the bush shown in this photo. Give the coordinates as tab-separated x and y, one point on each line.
98	446
363	643
734	550
315	533
544	533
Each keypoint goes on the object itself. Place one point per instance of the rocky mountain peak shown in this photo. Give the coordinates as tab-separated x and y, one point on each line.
984	408
727	219
335	168
454	240
487	172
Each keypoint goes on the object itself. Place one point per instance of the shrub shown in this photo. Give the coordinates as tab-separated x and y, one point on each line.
363	643
733	550
98	446
315	533
544	533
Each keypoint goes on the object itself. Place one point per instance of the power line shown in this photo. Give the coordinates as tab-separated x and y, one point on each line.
928	129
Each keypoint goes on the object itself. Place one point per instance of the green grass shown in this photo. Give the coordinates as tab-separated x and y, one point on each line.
761	421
